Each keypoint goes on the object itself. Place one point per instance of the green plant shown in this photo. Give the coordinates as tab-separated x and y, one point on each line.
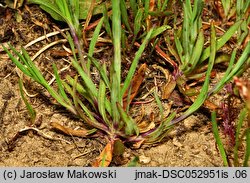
243	131
191	55
218	140
31	111
99	105
190	46
189	40
240	130
228	7
238	140
104	106
242	13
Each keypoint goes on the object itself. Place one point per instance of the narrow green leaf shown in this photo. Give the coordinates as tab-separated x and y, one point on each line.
221	41
88	117
30	109
159	30
33	69
17	63
179	48
146	8
102	70
36	75
134	63
106	20
130	125
75	9
247	154
164	5
78	88
137	24
101	101
232	70
60	85
159	132
242	116
51	8
204	90
185	33
125	18
71	44
197	10
226	6
115	73
74	95
90	86
82	110
159	104
196	53
94	41
243	58
218	140
134	6
222	81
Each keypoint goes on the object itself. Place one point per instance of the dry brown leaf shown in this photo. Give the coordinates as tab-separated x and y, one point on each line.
136	83
219	8
146	126
165	56
138	144
69	131
148	19
169	87
105	158
244	89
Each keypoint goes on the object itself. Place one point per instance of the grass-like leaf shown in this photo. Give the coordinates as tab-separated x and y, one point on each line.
159	104
29	107
101	101
218	140
94	40
101	70
106	21
232	70
159	30
124	13
160	131
79	88
57	12
16	62
137	24
204	90
115	72
32	71
90	86
134	63
60	85
134	6
130	125
221	41
237	136
196	53
247	153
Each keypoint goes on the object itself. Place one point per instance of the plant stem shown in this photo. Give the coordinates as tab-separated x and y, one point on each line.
78	44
